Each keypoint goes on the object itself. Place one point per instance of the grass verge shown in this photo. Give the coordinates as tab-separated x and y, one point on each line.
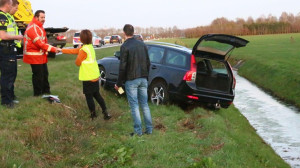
39	134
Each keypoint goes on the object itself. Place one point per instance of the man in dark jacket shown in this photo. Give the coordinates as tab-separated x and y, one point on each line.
134	71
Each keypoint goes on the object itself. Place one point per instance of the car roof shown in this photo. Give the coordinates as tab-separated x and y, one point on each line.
169	45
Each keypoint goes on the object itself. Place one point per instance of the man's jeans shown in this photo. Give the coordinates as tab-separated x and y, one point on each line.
136	91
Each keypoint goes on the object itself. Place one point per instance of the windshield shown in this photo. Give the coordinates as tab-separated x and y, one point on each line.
76	34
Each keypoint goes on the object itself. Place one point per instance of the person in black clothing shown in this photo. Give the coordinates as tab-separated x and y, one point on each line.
8	61
134	71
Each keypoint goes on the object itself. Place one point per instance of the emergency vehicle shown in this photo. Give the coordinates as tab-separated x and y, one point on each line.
97	41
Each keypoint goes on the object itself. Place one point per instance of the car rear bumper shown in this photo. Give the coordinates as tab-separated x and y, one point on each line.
190	95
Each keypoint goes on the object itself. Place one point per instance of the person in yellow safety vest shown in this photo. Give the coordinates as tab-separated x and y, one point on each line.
89	73
8	61
14	28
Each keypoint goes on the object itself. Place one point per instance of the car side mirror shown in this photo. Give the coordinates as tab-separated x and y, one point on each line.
117	54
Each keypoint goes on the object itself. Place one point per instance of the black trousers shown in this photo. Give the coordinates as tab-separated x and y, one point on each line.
40	79
8	68
91	90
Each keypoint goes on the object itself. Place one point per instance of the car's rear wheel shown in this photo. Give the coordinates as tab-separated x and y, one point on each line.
159	93
102	80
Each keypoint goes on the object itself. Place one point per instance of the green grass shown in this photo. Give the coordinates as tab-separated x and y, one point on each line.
270	61
39	134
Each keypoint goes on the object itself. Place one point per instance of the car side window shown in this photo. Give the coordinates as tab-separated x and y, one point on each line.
156	54
218	67
176	58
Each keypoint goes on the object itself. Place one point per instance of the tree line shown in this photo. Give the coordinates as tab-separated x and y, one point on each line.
286	23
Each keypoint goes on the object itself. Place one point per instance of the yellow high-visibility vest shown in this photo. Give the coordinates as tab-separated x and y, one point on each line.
12	28
89	69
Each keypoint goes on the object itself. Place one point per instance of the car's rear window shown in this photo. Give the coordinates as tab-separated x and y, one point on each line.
76	34
214	47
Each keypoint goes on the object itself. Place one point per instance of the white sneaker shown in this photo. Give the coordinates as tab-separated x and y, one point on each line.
16	101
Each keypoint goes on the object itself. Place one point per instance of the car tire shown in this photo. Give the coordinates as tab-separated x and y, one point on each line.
102	80
158	93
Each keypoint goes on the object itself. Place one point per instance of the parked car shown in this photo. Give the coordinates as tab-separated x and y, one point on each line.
106	39
138	37
97	41
201	74
115	38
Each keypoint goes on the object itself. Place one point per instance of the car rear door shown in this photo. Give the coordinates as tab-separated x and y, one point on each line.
176	64
156	55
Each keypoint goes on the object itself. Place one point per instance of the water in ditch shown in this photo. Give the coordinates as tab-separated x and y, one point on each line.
277	123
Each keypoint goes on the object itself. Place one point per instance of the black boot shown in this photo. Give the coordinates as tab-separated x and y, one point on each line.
106	115
93	114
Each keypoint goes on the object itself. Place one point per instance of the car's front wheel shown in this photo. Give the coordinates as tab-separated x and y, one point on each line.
102	80
159	93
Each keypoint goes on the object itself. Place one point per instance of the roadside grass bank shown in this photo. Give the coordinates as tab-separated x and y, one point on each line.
270	61
39	134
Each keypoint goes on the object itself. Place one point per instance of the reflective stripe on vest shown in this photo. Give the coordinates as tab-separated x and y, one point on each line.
14	29
42	37
89	69
10	29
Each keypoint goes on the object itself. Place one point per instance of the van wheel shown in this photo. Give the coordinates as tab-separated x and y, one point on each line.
158	93
102	80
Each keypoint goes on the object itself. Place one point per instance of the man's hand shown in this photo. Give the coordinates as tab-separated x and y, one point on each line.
58	50
19	37
116	87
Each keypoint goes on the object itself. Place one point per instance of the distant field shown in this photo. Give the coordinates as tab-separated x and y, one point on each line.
271	61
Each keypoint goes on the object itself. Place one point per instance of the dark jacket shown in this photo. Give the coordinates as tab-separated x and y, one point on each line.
134	61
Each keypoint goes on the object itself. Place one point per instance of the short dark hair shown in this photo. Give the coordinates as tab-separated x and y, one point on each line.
37	13
128	30
15	2
3	2
86	36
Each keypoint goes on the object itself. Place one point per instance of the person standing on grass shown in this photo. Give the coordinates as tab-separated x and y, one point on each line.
35	53
8	58
134	71
89	73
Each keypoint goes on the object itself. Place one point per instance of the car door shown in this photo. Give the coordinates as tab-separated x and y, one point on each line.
156	55
175	67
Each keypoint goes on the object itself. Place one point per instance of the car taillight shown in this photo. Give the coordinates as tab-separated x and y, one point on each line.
193	97
61	37
191	74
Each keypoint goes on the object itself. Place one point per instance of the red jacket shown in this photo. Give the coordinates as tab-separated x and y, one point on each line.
35	44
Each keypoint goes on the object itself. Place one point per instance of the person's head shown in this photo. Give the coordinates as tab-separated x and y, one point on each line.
5	5
86	36
15	5
128	30
40	16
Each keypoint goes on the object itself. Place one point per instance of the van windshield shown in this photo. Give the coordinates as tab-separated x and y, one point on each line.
76	34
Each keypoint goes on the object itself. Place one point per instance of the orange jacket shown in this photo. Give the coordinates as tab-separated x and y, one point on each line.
35	44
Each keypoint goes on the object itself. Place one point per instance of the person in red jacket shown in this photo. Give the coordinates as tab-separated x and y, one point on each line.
35	53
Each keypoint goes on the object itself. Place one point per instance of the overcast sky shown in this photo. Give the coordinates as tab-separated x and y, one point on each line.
95	14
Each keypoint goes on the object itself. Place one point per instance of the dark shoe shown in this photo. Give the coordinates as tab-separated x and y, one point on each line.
9	105
148	133
132	134
93	115
106	116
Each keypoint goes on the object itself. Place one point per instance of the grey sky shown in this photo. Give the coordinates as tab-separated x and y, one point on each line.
94	14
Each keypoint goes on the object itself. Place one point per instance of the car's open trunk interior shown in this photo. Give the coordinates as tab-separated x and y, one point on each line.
213	75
